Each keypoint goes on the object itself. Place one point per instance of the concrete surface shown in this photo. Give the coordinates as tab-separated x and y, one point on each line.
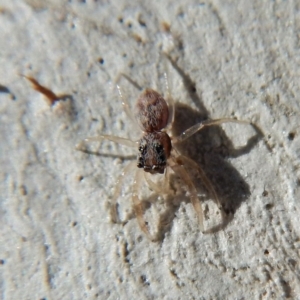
230	58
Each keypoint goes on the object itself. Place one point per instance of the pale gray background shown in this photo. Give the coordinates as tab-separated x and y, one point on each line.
56	238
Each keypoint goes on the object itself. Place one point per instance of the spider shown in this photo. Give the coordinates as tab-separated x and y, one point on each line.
157	152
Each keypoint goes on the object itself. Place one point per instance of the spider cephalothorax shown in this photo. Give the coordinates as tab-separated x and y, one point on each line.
154	150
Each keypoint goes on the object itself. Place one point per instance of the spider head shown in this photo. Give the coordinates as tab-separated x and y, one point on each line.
154	150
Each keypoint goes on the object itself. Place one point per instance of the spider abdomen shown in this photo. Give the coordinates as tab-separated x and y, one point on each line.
151	111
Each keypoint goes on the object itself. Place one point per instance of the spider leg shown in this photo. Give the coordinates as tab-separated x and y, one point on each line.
124	100
114	213
134	83
138	206
197	127
204	179
168	96
225	217
183	174
112	138
160	187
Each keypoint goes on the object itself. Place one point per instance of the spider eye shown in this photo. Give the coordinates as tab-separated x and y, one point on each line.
140	163
162	157
158	147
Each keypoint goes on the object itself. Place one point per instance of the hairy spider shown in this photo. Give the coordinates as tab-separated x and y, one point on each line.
157	152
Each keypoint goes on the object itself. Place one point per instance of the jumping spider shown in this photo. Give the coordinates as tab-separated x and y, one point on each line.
157	152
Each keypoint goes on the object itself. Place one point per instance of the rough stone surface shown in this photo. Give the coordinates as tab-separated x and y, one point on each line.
230	59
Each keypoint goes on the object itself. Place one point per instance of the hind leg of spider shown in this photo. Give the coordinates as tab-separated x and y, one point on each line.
168	97
124	100
138	205
179	169
226	218
207	183
117	191
197	127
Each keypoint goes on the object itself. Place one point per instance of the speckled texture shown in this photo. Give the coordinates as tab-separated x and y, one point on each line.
230	58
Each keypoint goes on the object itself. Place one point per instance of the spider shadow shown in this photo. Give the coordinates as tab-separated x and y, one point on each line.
209	148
